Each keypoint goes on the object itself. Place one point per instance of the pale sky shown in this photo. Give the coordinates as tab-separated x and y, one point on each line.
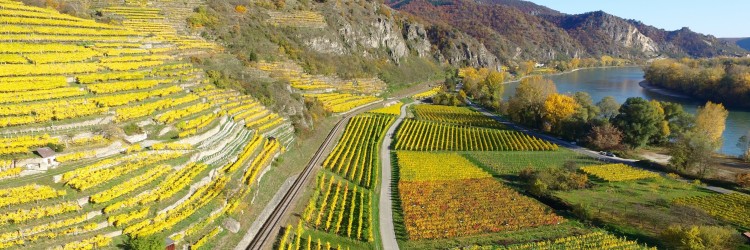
721	18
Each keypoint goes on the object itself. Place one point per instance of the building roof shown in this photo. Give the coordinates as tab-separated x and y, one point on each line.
746	234
45	152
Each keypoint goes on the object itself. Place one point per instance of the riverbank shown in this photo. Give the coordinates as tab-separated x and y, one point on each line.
571	71
663	91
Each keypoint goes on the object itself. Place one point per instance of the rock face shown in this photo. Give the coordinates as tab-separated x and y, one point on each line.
600	32
516	30
381	32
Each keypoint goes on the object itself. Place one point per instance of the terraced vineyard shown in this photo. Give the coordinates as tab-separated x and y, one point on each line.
459	199
427	94
336	95
144	145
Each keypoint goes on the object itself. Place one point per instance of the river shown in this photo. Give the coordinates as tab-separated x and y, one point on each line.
622	83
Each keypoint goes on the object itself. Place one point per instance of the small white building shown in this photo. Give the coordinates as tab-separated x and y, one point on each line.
45	162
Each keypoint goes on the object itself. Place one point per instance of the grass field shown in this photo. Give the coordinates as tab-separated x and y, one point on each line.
640	208
512	162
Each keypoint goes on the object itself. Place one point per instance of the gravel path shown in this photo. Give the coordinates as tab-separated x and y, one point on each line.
387	231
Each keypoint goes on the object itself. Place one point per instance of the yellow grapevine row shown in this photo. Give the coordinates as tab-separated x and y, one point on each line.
423	135
22	215
169	187
122	219
426	166
105	88
122	99
88	180
131	184
37	95
176	114
618	172
20	84
76	156
27	193
128	113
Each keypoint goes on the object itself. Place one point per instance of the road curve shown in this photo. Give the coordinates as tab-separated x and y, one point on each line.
387	231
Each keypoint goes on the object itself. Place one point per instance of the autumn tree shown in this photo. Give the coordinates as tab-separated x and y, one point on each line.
711	119
527	104
525	68
574	63
693	152
557	108
604	137
638	120
663	126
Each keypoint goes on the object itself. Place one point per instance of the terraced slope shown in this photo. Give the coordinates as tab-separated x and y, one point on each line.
144	145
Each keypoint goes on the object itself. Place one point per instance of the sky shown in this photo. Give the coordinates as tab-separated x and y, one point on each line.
721	18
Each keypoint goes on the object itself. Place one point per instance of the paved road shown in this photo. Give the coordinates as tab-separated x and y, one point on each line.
387	231
579	149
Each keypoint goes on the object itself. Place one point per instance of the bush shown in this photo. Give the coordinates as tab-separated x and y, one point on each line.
132	129
151	242
700	237
743	179
541	182
56	147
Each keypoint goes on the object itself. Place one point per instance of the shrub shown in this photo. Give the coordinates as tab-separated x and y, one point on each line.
152	242
700	237
743	179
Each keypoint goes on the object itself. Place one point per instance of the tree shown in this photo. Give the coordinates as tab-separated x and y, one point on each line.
608	107
744	144
664	131
151	242
693	152
586	109
604	137
639	121
559	107
527	104
679	120
711	120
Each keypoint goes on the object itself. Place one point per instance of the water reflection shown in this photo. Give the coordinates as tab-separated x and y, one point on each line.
622	83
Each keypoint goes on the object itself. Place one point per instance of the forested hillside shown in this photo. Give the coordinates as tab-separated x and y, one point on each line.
522	30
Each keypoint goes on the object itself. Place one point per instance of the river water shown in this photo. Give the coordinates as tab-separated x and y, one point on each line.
622	83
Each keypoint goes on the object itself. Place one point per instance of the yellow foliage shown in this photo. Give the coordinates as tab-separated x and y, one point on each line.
559	107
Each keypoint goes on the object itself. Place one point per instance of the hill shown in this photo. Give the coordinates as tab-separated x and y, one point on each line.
523	30
743	42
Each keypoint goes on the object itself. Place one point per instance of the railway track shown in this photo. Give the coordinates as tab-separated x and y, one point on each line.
272	223
265	234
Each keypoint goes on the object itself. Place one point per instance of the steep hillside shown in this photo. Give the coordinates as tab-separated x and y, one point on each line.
523	30
743	42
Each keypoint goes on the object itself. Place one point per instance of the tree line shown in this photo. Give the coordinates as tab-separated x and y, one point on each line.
721	80
602	125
